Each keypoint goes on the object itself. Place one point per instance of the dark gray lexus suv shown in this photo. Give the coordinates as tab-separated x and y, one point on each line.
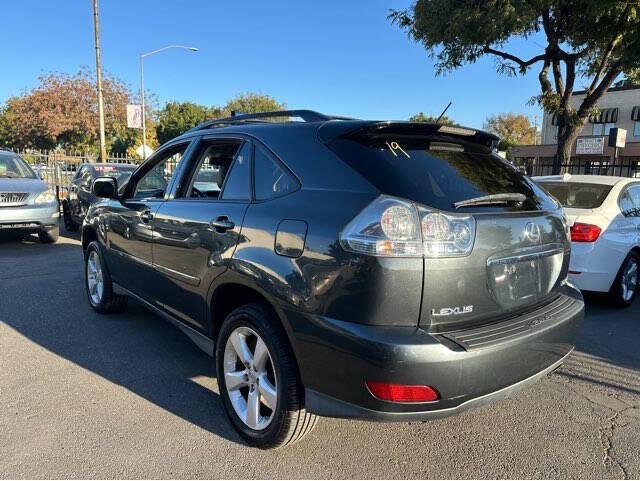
389	271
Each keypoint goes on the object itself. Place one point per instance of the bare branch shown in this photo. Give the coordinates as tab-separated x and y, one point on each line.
543	77
593	96
571	77
557	75
524	64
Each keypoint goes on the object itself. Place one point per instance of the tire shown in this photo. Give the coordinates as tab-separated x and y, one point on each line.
69	224
49	236
287	422
625	286
102	299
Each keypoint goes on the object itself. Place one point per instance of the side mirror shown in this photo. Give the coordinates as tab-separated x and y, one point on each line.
106	187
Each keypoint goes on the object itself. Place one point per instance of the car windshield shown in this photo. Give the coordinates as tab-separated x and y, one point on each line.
577	195
120	172
13	167
439	174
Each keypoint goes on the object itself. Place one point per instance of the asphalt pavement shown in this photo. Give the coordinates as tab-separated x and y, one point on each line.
129	396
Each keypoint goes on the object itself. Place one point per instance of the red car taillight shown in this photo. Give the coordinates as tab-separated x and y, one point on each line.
585	232
402	393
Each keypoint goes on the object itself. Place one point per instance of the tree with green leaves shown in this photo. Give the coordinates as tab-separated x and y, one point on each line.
595	41
175	118
251	103
178	117
513	129
421	117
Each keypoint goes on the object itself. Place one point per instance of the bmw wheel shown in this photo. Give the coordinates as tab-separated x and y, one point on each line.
625	287
258	379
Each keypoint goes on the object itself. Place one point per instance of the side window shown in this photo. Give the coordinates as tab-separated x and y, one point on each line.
214	162
270	179
238	184
155	182
79	172
634	192
86	177
626	204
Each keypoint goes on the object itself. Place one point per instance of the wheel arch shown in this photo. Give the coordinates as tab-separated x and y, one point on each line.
89	235
229	294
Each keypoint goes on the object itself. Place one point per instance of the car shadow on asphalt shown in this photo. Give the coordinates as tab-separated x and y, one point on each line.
607	350
134	349
152	359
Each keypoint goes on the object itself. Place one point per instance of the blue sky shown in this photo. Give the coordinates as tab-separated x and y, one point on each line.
340	57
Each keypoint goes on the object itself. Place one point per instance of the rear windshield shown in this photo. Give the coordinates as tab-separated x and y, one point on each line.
436	173
576	195
120	172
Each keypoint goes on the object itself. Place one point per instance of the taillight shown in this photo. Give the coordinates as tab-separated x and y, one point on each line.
393	227
402	393
584	232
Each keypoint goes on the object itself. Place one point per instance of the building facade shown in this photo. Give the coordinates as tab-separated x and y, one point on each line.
590	154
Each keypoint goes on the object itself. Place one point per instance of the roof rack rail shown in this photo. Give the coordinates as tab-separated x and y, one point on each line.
306	115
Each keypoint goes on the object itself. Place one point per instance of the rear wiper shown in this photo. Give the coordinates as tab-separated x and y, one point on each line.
492	199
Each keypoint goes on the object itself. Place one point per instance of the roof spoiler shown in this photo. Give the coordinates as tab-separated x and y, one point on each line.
332	130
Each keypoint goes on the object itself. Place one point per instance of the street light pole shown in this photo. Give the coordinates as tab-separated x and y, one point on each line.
144	126
96	31
142	56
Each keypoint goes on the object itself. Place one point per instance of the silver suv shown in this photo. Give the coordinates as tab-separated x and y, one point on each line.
26	202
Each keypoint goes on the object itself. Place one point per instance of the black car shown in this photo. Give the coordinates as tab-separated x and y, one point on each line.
389	271
80	193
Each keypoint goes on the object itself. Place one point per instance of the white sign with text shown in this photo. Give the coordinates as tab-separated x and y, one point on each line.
134	116
590	146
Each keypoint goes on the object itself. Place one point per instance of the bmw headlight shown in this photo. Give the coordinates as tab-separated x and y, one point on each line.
46	197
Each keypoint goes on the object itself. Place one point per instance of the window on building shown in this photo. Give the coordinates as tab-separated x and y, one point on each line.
636	129
603	129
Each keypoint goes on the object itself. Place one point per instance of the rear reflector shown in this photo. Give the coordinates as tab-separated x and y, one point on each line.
584	232
402	393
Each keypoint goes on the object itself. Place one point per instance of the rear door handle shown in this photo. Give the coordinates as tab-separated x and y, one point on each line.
146	216
222	224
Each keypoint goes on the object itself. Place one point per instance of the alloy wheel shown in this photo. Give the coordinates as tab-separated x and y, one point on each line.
250	379
630	279
95	281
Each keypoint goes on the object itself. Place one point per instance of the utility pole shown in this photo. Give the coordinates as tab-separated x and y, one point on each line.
96	30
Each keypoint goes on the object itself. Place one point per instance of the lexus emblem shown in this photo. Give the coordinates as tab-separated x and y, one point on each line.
532	232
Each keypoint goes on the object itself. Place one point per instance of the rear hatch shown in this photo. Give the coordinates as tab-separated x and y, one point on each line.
520	253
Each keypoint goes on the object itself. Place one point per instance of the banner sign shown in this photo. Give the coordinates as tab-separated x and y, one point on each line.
134	116
590	146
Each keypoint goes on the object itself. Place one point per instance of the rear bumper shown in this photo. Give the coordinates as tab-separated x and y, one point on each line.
597	263
29	218
328	406
336	358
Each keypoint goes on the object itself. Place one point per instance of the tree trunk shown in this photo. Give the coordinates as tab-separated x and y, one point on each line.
566	137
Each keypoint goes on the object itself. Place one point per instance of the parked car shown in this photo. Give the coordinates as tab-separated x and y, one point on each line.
604	215
80	194
389	271
26	203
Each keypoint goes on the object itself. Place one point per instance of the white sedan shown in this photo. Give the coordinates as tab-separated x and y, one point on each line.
604	215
